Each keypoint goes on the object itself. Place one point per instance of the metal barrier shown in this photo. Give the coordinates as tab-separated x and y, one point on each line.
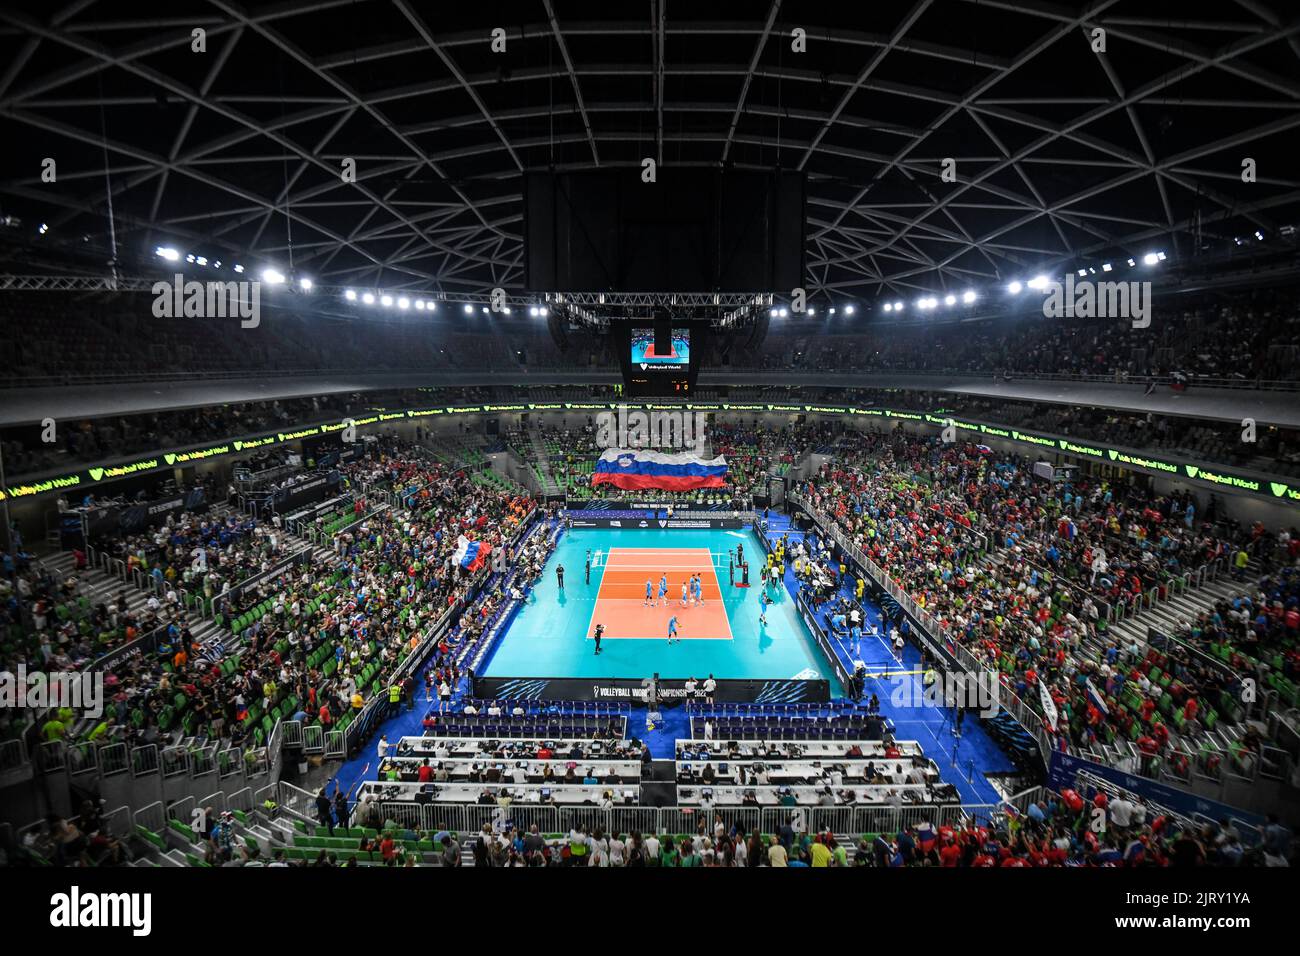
114	759
336	745
144	760
313	739
152	816
215	801
175	761
52	755
241	800
13	754
182	809
118	822
408	815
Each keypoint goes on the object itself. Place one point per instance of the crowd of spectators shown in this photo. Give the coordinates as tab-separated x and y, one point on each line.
336	624
1020	572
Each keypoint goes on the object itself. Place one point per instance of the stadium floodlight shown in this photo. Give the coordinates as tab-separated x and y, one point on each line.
898	307
368	298
431	306
469	309
950	300
350	295
272	276
385	300
190	257
543	311
1082	273
968	296
773	312
532	310
1160	256
1258	235
201	260
812	311
506	309
238	267
216	264
1014	288
889	307
832	310
784	312
305	284
1038	282
168	253
419	305
403	303
485	310
1131	263
1106	267
44	229
1150	259
848	310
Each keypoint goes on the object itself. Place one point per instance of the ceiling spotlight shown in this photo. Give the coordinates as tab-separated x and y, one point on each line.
1038	282
831	310
532	310
168	253
506	310
1150	259
419	305
485	310
1131	263
898	307
238	267
950	300
773	312
431	306
784	312
385	300
1160	256
1083	272
368	299
543	311
216	264
889	307
1258	235
1015	288
848	310
272	276
44	229
350	295
469	309
968	296
304	283
190	257
403	303
201	260
812	311
1106	267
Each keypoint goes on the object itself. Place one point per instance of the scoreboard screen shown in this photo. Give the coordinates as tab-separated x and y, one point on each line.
667	371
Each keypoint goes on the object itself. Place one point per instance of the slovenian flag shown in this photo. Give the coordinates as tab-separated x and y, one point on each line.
635	470
471	555
1095	696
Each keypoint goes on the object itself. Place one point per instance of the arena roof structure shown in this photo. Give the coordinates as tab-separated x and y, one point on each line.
1063	155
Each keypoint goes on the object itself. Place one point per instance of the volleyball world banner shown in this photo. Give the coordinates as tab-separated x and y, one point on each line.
638	469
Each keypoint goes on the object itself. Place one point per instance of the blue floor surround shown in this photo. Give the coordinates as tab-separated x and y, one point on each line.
963	761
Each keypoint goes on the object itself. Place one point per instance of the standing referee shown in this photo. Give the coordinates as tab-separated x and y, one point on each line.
600	632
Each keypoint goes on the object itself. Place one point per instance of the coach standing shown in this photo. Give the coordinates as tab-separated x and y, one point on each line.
600	632
559	577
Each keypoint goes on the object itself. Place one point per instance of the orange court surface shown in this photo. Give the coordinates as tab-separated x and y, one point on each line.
620	602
